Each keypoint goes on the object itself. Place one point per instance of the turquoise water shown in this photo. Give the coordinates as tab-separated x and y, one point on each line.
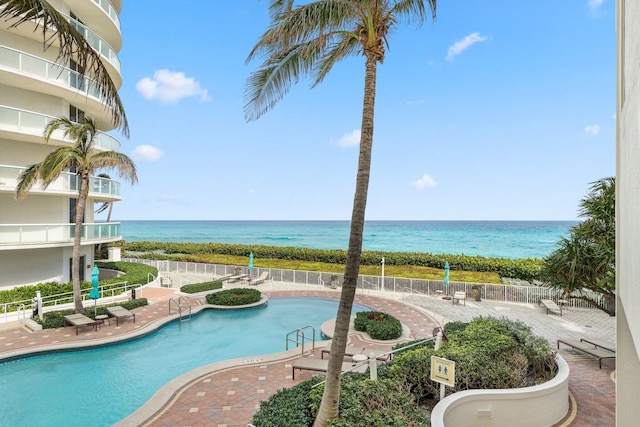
509	239
102	386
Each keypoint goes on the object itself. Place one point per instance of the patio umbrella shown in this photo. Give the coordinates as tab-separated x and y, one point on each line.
446	273
250	266
95	293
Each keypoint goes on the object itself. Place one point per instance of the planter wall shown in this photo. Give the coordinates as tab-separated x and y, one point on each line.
541	405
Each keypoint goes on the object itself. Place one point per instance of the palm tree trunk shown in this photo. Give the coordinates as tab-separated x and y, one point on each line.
331	396
77	236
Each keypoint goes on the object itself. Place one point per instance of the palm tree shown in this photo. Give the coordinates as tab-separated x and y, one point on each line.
309	40
56	29
85	160
586	259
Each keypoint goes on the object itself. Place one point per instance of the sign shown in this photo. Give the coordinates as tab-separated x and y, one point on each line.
443	371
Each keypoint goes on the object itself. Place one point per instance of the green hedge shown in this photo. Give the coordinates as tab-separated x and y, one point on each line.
55	319
289	407
524	268
134	273
237	296
489	353
201	287
379	326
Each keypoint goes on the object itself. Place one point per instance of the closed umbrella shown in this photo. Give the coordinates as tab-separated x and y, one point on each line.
446	273
95	293
250	266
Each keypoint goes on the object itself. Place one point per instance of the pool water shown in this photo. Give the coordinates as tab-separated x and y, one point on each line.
100	387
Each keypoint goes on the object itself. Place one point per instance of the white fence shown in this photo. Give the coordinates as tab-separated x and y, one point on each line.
488	291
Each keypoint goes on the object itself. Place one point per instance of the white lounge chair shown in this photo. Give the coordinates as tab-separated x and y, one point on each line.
260	279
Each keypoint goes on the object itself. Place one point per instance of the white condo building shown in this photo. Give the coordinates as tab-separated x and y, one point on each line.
36	233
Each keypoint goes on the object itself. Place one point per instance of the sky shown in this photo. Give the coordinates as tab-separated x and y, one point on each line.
498	110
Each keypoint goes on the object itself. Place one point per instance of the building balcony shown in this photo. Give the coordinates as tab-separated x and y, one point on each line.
100	189
31	236
33	73
100	46
26	125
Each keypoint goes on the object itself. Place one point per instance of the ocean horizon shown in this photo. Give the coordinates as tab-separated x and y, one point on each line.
503	239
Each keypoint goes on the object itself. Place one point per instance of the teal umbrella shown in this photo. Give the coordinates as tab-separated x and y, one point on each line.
250	266
446	273
95	293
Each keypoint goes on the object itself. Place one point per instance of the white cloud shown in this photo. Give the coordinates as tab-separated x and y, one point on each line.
594	4
461	45
147	153
349	139
166	198
170	87
592	129
424	182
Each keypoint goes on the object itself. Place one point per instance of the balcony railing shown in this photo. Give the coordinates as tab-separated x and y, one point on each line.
35	122
66	182
16	234
109	10
25	63
97	42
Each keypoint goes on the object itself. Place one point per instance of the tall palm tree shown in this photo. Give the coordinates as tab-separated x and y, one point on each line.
56	29
85	160
309	40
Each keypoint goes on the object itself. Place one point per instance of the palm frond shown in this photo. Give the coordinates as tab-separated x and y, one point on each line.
347	44
414	10
119	162
26	180
56	28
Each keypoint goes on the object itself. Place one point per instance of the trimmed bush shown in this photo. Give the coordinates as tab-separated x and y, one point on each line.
237	296
379	326
201	287
287	407
55	319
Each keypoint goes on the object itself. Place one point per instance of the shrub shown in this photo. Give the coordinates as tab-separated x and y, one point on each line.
379	326
55	319
287	407
486	353
238	296
525	268
201	287
381	403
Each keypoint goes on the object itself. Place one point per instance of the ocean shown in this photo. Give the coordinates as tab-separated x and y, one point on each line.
504	239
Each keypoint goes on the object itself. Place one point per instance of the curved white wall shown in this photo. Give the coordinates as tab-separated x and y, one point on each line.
540	405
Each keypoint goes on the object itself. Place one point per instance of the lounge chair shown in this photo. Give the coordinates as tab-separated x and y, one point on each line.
595	350
550	305
238	277
320	365
79	320
120	312
259	279
352	351
223	278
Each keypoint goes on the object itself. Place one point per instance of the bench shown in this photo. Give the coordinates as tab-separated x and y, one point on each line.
550	305
590	349
459	296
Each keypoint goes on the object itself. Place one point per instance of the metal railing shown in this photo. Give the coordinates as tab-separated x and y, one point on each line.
488	291
179	302
301	337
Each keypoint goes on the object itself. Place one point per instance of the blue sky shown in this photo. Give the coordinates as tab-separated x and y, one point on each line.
498	110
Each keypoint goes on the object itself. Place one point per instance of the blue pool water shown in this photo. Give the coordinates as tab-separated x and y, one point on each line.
102	386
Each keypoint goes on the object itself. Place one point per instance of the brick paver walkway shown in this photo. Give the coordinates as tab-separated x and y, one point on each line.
230	396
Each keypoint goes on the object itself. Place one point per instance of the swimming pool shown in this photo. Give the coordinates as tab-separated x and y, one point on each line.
99	387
